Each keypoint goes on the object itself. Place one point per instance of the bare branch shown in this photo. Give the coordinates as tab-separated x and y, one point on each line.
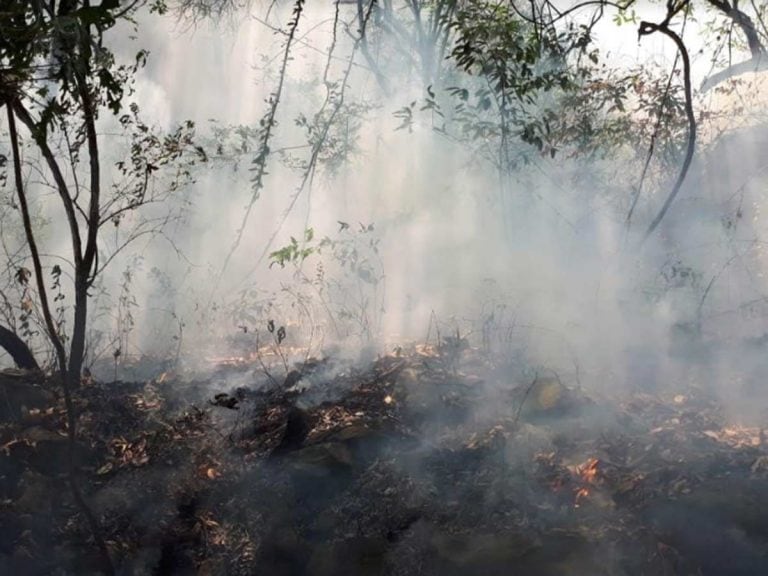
58	176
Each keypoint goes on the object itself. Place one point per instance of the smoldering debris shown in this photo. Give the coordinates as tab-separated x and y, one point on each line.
405	471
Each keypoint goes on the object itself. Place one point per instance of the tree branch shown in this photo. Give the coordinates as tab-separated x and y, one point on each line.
267	123
61	355
18	350
53	334
647	28
757	63
58	176
743	21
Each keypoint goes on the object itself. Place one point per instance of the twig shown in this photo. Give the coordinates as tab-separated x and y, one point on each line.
263	365
525	397
309	172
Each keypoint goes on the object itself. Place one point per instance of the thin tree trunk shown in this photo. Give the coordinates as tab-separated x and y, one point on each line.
77	348
67	376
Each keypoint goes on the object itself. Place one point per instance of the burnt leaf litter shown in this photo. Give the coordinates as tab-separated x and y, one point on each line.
425	461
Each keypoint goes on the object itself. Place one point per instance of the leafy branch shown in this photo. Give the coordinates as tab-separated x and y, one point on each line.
266	126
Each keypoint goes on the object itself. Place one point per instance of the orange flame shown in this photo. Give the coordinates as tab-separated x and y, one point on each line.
589	471
581	495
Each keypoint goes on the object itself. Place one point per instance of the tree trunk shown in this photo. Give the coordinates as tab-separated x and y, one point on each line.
77	347
18	350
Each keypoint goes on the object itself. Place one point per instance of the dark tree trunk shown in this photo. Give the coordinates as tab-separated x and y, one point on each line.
18	350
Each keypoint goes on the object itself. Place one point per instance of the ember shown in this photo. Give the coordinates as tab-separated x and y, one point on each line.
581	495
588	472
292	475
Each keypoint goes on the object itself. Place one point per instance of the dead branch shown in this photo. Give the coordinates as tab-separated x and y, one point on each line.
758	63
524	398
309	171
58	176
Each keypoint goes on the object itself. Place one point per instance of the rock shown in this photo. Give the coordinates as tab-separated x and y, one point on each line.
351	433
36	493
548	397
291	380
350	557
47	451
546	394
21	393
322	459
479	552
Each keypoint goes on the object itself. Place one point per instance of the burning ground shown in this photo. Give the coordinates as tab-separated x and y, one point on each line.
425	461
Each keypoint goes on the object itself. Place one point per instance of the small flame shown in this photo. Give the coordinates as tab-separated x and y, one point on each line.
581	495
588	472
388	399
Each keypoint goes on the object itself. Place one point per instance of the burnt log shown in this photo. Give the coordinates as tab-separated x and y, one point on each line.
297	428
17	349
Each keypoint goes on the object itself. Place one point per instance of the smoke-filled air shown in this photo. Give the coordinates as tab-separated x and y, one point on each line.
383	287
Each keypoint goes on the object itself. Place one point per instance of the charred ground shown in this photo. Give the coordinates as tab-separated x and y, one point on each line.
417	463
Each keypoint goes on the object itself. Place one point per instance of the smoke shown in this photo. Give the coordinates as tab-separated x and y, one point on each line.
547	243
424	231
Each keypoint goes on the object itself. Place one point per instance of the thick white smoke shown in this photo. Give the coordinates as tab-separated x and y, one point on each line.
538	261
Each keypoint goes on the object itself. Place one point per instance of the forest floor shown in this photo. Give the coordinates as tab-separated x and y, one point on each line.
417	463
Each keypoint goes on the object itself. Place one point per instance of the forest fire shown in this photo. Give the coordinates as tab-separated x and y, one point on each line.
581	495
351	459
401	288
586	473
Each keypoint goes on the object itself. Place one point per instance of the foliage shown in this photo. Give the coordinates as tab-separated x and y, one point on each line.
541	86
516	59
348	277
293	253
58	72
335	136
